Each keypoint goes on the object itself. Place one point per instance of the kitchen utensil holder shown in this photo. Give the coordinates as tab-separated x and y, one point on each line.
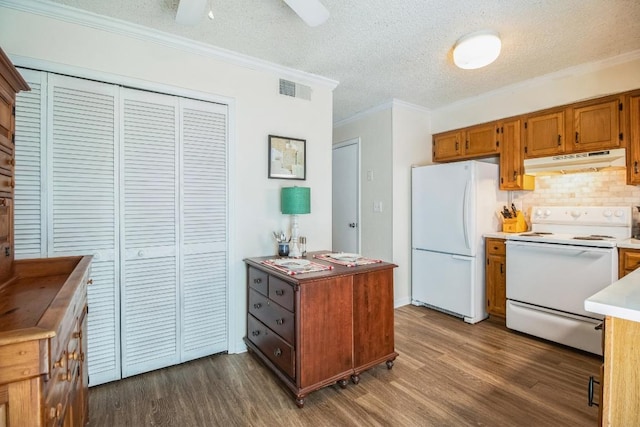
514	225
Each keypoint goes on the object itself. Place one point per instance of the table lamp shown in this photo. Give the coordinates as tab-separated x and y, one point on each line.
295	201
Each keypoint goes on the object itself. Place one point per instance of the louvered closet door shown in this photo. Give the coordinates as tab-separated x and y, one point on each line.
82	195
204	229
30	211
150	316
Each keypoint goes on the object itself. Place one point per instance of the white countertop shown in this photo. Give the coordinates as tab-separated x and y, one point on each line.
620	299
503	235
630	243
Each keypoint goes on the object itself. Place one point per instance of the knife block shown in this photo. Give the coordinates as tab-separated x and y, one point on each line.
514	225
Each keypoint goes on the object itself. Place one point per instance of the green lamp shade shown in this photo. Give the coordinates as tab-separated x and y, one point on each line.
295	200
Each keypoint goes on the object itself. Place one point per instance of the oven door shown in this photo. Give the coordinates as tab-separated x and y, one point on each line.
557	276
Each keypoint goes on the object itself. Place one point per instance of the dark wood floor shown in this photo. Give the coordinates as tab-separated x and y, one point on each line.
449	373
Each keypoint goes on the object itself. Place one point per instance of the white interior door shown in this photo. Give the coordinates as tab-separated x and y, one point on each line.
346	196
150	232
204	229
82	194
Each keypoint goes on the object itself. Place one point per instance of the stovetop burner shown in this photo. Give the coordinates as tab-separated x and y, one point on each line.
593	237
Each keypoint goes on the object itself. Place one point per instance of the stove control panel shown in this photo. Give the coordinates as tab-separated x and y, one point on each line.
584	215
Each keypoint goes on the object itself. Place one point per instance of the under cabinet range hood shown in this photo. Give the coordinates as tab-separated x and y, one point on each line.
576	162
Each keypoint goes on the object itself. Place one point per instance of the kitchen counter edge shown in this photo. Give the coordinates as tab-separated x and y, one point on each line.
620	299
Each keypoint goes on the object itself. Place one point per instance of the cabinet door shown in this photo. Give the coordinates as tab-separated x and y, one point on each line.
512	157
481	140
597	126
447	146
633	154
496	285
544	134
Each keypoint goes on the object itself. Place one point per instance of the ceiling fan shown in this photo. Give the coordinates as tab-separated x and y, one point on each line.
312	12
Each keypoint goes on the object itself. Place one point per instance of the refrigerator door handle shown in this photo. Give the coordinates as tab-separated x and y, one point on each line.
465	215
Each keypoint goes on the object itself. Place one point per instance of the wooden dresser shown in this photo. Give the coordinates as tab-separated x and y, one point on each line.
43	309
320	328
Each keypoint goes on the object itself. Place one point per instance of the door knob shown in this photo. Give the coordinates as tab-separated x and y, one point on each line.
352	225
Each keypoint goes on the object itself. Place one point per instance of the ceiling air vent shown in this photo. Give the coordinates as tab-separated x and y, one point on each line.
295	90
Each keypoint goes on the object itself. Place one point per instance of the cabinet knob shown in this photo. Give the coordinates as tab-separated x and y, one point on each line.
257	281
277	352
559	140
77	334
65	376
279	321
257	305
279	292
577	138
635	167
52	413
73	355
90	282
255	333
60	362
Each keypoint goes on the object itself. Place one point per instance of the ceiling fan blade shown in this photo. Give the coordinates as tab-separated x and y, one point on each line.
311	11
190	12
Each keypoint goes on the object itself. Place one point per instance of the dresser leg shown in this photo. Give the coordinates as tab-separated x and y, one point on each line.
355	378
342	383
300	402
389	364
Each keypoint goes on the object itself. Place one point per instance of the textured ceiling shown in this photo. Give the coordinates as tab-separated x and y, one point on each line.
384	49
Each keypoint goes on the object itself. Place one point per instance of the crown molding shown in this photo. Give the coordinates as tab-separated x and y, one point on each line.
73	15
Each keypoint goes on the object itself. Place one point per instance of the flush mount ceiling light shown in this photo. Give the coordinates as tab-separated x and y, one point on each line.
477	49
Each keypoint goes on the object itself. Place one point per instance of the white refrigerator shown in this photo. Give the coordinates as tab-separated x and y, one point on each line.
452	206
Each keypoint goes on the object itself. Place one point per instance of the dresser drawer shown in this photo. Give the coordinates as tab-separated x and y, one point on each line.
281	292
6	160
259	280
272	315
496	247
19	361
275	348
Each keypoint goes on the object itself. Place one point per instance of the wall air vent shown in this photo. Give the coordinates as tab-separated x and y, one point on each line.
295	90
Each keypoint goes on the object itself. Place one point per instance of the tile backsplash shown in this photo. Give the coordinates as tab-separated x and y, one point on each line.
605	188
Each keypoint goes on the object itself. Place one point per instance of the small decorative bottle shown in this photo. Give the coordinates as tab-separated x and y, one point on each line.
303	246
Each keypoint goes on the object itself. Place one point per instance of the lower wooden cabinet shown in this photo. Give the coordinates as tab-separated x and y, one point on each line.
322	328
628	260
43	376
621	377
495	276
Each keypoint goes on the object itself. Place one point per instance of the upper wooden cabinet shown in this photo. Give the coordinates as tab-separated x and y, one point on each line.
446	146
633	148
512	157
597	125
476	141
544	134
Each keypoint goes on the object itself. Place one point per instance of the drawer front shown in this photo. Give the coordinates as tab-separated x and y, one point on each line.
496	247
631	260
281	292
275	317
6	160
19	361
272	346
259	280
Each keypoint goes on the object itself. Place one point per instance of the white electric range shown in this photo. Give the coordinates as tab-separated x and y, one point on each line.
569	254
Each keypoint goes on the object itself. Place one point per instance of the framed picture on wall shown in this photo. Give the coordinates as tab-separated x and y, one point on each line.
287	158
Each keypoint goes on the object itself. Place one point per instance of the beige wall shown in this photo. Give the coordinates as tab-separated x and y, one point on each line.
583	82
411	146
392	139
259	111
375	133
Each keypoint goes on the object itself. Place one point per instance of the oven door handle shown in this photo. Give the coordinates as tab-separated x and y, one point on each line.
465	214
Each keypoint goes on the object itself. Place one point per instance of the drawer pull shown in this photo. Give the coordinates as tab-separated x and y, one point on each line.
279	292
279	321
60	362
52	413
255	333
66	376
277	352
599	326
257	305
73	355
77	334
90	282
592	381
257	281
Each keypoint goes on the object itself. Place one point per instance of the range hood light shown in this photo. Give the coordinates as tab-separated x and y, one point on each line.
576	162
